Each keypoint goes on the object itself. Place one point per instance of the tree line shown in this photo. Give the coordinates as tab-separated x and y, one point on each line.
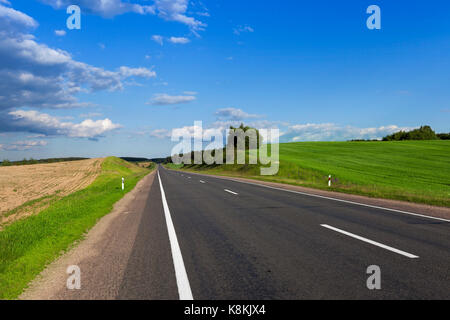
423	133
7	163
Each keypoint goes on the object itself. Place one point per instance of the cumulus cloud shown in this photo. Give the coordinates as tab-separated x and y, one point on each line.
333	132
23	145
234	114
163	99
42	123
170	10
179	40
175	10
33	75
287	132
107	9
12	20
225	118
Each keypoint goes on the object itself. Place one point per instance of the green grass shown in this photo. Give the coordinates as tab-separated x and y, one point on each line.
415	171
28	245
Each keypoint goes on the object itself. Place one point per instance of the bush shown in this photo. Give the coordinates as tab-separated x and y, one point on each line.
444	136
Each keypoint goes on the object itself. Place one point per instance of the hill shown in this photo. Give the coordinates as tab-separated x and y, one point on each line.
28	245
25	190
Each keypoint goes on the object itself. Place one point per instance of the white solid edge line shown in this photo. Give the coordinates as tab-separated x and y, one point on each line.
340	200
229	191
184	288
403	253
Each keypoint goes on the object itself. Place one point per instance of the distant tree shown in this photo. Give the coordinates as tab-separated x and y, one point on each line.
6	163
423	133
443	136
233	136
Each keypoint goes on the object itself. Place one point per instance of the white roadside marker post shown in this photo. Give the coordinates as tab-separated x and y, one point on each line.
329	180
123	183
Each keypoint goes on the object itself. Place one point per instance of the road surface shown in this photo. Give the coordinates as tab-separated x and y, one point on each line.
202	237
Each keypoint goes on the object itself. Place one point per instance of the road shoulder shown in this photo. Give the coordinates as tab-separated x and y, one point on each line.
102	256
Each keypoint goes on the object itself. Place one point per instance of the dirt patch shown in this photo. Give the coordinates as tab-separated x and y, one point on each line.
25	190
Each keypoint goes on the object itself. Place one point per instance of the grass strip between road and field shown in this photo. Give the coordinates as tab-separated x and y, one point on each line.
29	245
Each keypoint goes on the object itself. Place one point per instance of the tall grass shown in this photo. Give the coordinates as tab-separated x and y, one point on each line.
28	245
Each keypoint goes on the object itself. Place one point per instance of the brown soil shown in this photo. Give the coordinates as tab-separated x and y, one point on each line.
40	184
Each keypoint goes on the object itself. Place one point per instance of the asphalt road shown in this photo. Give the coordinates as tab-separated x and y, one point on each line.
201	237
241	241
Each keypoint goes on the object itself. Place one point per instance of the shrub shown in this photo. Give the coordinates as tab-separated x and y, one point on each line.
443	136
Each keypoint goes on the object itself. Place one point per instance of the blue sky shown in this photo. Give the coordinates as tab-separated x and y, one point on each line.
138	69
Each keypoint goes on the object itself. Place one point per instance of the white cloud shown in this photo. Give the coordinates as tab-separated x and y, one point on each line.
162	99
11	20
241	29
179	40
170	10
333	132
226	117
158	39
33	121
104	8
60	33
35	75
287	133
127	72
234	114
175	10
24	145
160	133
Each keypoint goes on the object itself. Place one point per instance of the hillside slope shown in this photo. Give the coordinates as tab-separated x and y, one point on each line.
28	245
26	190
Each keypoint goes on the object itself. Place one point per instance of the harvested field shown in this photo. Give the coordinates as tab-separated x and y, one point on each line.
25	190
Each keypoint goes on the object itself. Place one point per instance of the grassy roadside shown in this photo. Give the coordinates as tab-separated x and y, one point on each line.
28	245
414	171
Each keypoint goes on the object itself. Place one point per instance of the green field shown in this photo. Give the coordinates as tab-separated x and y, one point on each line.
416	171
28	245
